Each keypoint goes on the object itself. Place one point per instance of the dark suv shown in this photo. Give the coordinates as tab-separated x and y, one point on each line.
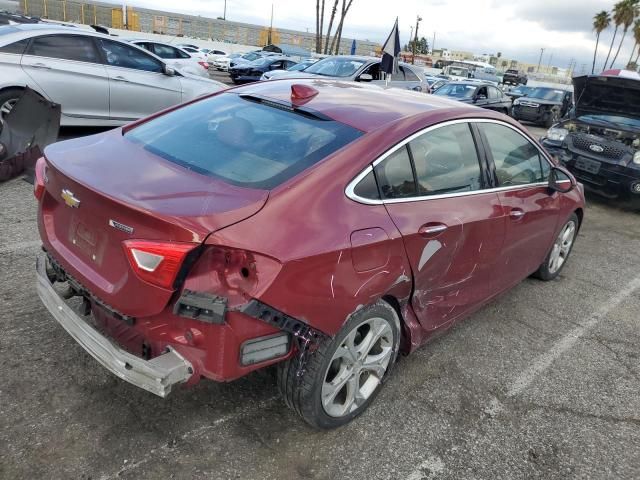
514	77
600	142
543	105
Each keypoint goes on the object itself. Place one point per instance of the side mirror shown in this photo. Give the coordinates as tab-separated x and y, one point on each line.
169	71
365	77
561	180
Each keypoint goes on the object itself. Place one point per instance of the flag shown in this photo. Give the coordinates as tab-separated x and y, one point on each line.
353	47
391	50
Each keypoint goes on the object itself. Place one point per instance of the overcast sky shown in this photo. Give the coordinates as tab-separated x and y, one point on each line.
517	28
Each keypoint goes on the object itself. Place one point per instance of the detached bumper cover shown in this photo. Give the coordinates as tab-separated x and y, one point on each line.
157	376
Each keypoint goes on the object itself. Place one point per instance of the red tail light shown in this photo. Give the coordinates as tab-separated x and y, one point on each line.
157	262
40	178
204	64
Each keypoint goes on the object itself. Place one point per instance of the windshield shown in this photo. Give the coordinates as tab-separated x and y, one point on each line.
336	67
241	141
251	56
521	90
299	67
550	94
456	90
261	61
612	120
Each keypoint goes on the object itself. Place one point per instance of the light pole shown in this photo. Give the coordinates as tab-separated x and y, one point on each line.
415	40
224	14
540	61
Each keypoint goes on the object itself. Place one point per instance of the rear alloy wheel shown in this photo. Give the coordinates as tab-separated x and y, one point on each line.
343	376
8	99
560	250
6	107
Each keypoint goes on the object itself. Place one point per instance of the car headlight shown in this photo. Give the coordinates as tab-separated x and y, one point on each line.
516	102
557	134
636	158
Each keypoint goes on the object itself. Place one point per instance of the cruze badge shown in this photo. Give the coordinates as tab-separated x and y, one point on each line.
596	148
70	199
121	226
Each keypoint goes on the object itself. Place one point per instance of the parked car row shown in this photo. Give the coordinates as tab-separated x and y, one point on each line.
96	78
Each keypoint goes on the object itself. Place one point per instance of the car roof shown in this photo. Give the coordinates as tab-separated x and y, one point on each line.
365	107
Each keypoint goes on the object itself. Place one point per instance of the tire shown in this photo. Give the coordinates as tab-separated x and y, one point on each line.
552	119
8	98
332	360
560	251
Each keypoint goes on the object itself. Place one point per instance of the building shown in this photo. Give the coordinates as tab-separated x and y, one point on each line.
446	54
179	25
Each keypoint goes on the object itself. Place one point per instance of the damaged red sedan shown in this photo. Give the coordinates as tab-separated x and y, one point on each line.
320	226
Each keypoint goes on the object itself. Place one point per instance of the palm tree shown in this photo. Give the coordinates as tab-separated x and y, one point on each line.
636	37
617	22
628	12
601	22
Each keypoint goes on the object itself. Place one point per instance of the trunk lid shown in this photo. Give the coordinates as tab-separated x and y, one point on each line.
103	190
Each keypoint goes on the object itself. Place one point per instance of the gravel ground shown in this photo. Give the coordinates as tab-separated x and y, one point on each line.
542	383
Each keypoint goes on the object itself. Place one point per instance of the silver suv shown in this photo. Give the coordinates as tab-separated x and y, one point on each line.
362	69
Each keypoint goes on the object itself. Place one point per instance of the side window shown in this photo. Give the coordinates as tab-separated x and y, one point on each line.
219	52
516	159
482	92
400	76
374	71
145	45
409	75
120	55
64	47
276	66
395	175
446	161
15	47
367	187
165	51
182	54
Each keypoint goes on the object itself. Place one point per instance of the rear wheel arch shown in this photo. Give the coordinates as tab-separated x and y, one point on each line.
580	214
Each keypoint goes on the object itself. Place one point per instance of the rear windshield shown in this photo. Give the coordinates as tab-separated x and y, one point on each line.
242	141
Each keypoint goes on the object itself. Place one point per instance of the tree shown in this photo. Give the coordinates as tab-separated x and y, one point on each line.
617	21
331	19
319	25
628	12
338	36
636	37
601	22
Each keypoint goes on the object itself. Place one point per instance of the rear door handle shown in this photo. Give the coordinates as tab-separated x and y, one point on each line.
40	65
516	214
432	229
120	79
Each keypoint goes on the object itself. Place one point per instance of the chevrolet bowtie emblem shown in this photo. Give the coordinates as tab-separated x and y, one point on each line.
70	199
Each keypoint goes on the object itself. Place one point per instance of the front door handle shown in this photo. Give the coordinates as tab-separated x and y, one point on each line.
432	229
516	214
40	65
120	79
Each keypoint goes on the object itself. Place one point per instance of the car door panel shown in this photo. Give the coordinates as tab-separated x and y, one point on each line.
530	209
80	87
136	83
452	229
453	269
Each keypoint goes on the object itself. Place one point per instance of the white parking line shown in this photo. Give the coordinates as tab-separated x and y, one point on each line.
545	360
190	435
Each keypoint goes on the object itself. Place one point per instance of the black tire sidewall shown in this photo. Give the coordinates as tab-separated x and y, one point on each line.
313	407
543	273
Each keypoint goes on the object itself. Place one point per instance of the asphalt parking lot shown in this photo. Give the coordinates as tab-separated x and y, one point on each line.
542	383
